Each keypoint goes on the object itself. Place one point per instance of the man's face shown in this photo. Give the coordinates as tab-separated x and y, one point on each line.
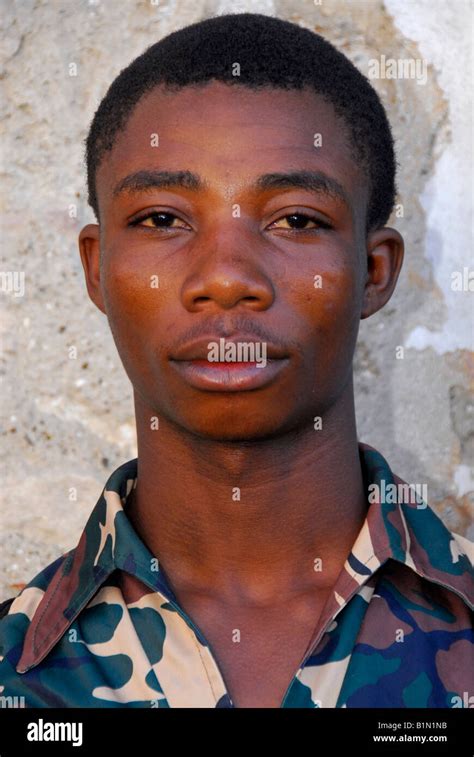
232	260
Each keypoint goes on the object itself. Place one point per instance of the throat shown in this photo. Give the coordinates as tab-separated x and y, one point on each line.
257	652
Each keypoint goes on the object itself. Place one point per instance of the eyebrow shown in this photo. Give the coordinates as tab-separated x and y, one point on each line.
141	181
312	181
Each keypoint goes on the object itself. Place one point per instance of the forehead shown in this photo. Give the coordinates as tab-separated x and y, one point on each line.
229	134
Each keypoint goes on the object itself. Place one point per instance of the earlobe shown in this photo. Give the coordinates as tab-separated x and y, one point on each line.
89	248
385	250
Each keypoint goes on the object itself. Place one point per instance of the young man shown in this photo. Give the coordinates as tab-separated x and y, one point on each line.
255	554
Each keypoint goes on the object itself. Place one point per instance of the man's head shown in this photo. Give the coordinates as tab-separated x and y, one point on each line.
269	52
241	171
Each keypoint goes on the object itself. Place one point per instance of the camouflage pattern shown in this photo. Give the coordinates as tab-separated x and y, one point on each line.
101	627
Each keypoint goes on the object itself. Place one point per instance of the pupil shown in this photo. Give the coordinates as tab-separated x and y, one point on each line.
159	217
298	220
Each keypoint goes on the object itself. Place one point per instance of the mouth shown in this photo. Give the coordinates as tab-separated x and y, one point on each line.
229	377
219	365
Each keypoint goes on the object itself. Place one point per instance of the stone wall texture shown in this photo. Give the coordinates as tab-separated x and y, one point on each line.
67	423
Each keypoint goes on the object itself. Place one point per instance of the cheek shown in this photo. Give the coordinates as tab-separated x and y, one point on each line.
333	305
332	315
132	287
133	301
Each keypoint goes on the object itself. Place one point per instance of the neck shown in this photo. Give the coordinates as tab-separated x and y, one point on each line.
250	519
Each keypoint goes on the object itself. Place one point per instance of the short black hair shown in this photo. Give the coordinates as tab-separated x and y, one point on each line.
271	53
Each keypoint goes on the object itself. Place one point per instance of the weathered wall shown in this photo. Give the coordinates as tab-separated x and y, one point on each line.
67	423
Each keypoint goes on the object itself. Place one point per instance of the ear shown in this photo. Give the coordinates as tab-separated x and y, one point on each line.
89	248
385	250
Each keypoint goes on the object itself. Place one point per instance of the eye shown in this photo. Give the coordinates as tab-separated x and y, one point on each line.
159	219
300	221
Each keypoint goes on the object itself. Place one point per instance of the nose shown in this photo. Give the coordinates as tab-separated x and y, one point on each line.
227	273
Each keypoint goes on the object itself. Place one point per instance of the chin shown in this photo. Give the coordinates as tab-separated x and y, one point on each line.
223	429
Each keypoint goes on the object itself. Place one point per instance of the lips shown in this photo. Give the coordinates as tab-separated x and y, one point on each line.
192	363
228	377
199	350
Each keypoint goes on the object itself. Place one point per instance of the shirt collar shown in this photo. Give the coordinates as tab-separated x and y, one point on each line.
402	527
395	528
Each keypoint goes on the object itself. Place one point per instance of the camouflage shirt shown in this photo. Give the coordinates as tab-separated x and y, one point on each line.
101	627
